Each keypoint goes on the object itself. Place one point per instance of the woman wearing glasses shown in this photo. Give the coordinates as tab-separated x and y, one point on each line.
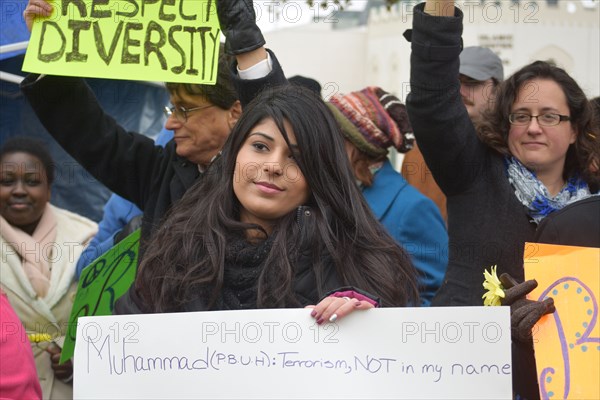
534	154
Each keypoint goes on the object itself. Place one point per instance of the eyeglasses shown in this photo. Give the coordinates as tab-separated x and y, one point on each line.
548	119
181	113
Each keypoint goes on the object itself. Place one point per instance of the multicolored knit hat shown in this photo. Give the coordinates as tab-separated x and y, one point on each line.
373	120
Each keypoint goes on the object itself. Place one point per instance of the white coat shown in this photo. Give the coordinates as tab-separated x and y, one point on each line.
50	314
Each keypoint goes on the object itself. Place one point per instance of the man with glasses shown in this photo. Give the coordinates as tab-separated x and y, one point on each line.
480	73
201	116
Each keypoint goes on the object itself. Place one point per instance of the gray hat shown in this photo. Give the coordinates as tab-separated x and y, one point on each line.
481	64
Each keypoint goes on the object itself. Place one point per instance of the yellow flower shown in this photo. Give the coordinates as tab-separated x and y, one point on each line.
39	337
495	291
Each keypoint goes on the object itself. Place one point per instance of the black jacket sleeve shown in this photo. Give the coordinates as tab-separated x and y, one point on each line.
248	89
125	162
442	127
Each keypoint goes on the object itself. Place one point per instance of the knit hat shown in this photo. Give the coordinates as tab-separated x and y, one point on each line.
373	120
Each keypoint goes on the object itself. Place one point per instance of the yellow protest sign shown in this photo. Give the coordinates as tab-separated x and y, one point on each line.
567	342
157	40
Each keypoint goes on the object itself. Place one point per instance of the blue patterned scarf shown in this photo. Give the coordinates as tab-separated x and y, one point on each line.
533	194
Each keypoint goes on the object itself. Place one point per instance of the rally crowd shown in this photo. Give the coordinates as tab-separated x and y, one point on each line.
267	196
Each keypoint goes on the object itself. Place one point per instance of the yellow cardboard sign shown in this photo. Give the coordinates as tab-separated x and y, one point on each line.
155	40
567	342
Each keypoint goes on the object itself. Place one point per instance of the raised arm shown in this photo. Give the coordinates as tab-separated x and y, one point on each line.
244	38
245	41
34	9
123	161
439	8
443	129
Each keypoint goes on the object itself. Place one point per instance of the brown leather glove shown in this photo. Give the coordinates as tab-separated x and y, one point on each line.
524	313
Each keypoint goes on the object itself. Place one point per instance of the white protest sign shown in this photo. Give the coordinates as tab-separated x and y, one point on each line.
388	353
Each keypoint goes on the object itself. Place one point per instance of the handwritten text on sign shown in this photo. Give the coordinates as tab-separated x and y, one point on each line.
382	353
161	40
567	342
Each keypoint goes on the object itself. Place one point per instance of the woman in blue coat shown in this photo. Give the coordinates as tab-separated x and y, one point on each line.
372	121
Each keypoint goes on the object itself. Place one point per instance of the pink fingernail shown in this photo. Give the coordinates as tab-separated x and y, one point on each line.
313	313
320	321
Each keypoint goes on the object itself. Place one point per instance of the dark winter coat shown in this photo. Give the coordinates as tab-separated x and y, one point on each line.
487	225
578	224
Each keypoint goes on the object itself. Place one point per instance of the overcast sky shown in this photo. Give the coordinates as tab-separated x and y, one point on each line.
293	12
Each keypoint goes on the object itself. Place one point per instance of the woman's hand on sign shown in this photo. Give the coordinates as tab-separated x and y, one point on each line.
333	308
34	9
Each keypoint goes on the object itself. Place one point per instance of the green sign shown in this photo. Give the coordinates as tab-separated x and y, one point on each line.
151	40
101	284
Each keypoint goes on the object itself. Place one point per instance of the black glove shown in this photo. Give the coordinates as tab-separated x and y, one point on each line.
524	313
238	23
132	226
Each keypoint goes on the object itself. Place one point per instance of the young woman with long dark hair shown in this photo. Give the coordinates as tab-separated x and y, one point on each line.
278	222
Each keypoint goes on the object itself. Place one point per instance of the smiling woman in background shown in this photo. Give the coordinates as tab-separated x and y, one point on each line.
40	245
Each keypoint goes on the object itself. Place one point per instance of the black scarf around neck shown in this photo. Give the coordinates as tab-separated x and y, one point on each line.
243	264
